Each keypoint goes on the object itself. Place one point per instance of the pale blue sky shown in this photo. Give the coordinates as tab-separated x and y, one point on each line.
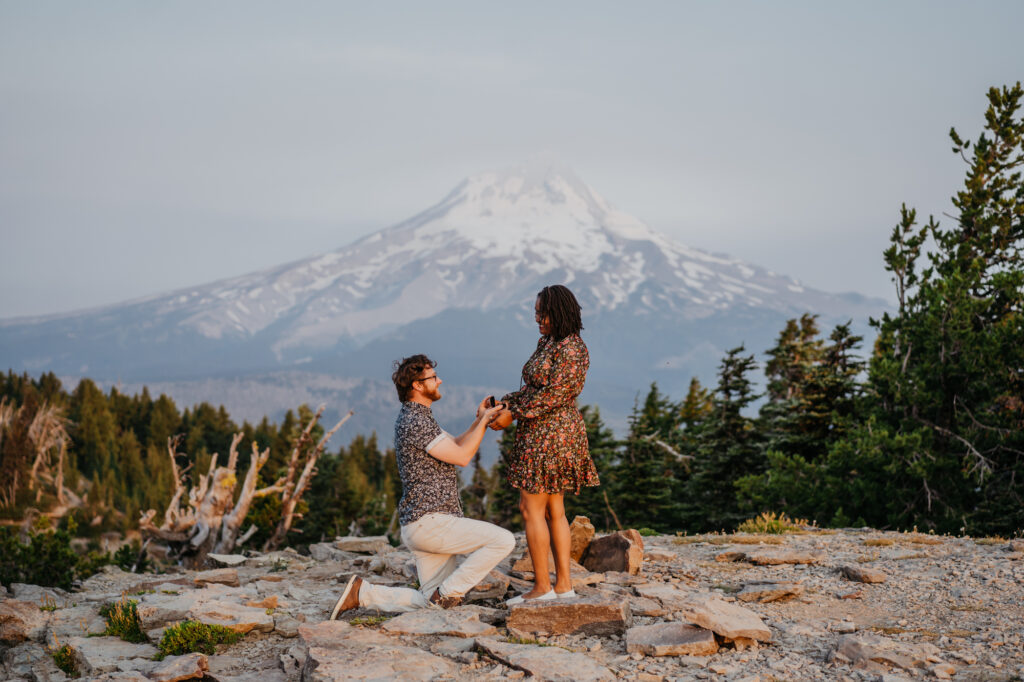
150	146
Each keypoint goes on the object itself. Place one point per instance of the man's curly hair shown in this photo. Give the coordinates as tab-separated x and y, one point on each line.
407	371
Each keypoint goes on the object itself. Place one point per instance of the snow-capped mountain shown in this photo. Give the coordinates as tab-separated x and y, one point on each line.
458	278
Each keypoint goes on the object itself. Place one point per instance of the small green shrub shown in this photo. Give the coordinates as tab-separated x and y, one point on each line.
772	524
64	657
123	620
369	620
47	560
189	636
647	532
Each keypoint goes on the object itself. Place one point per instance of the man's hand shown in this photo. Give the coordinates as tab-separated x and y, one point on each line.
486	413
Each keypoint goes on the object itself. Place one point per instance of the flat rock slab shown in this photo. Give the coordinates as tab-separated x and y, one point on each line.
546	663
41	596
660	555
861	574
862	649
765	592
78	621
158	610
596	615
643	606
217	576
227	559
670	639
94	655
232	615
21	621
374	544
338	651
672	597
777	557
725	618
439	622
174	668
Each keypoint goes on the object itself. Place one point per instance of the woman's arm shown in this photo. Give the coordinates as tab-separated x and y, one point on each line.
569	366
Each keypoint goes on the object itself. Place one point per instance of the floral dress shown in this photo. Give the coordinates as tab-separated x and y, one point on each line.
550	453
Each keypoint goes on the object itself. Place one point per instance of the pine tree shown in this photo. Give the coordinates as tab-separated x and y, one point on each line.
728	447
593	502
946	373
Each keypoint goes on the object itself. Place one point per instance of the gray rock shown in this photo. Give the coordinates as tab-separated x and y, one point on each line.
22	620
94	655
765	592
286	626
485	613
670	596
453	623
218	576
862	574
546	663
724	618
643	606
494	586
77	621
865	648
20	660
338	651
232	615
670	639
453	646
120	676
376	544
227	559
776	557
622	551
174	668
159	610
41	596
595	615
325	551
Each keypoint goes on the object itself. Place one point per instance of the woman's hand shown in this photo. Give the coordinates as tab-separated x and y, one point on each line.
502	420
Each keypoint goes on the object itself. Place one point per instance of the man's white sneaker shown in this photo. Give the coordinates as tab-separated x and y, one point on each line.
571	594
547	596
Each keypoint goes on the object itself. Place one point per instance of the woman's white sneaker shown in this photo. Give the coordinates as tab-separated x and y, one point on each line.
547	596
571	594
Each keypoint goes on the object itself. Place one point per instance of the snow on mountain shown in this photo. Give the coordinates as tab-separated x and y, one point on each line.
491	243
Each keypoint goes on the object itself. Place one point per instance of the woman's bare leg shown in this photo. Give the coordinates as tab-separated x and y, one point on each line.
558	527
538	540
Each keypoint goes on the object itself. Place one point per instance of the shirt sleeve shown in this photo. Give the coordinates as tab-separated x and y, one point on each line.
424	433
437	440
568	373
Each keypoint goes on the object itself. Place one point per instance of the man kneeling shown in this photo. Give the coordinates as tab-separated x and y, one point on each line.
430	510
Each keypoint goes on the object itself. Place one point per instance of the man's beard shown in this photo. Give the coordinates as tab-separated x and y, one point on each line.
435	395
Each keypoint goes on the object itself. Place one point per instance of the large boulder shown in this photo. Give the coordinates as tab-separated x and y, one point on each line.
670	639
622	551
21	620
595	615
581	532
546	663
337	651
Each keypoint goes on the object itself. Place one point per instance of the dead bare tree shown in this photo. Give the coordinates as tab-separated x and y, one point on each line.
293	491
46	440
213	518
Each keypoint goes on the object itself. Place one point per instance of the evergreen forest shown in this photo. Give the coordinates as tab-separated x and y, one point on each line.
924	429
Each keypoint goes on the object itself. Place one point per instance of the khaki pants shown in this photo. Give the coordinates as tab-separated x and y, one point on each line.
436	541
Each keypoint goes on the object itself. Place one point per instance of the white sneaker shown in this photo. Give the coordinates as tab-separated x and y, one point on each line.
571	594
547	596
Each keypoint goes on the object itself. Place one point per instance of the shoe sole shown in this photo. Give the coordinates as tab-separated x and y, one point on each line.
344	596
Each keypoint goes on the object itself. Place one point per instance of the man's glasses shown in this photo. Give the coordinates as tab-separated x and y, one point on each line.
432	376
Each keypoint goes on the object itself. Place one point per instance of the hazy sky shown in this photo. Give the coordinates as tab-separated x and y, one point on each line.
150	146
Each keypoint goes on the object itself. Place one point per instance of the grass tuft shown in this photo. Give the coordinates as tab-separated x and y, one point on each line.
190	636
369	620
123	620
772	524
64	657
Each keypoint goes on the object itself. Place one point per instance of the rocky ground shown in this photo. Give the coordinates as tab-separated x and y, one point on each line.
845	605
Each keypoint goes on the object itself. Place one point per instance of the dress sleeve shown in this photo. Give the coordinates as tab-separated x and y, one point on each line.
568	373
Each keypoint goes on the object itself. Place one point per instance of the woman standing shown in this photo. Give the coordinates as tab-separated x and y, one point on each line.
550	454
